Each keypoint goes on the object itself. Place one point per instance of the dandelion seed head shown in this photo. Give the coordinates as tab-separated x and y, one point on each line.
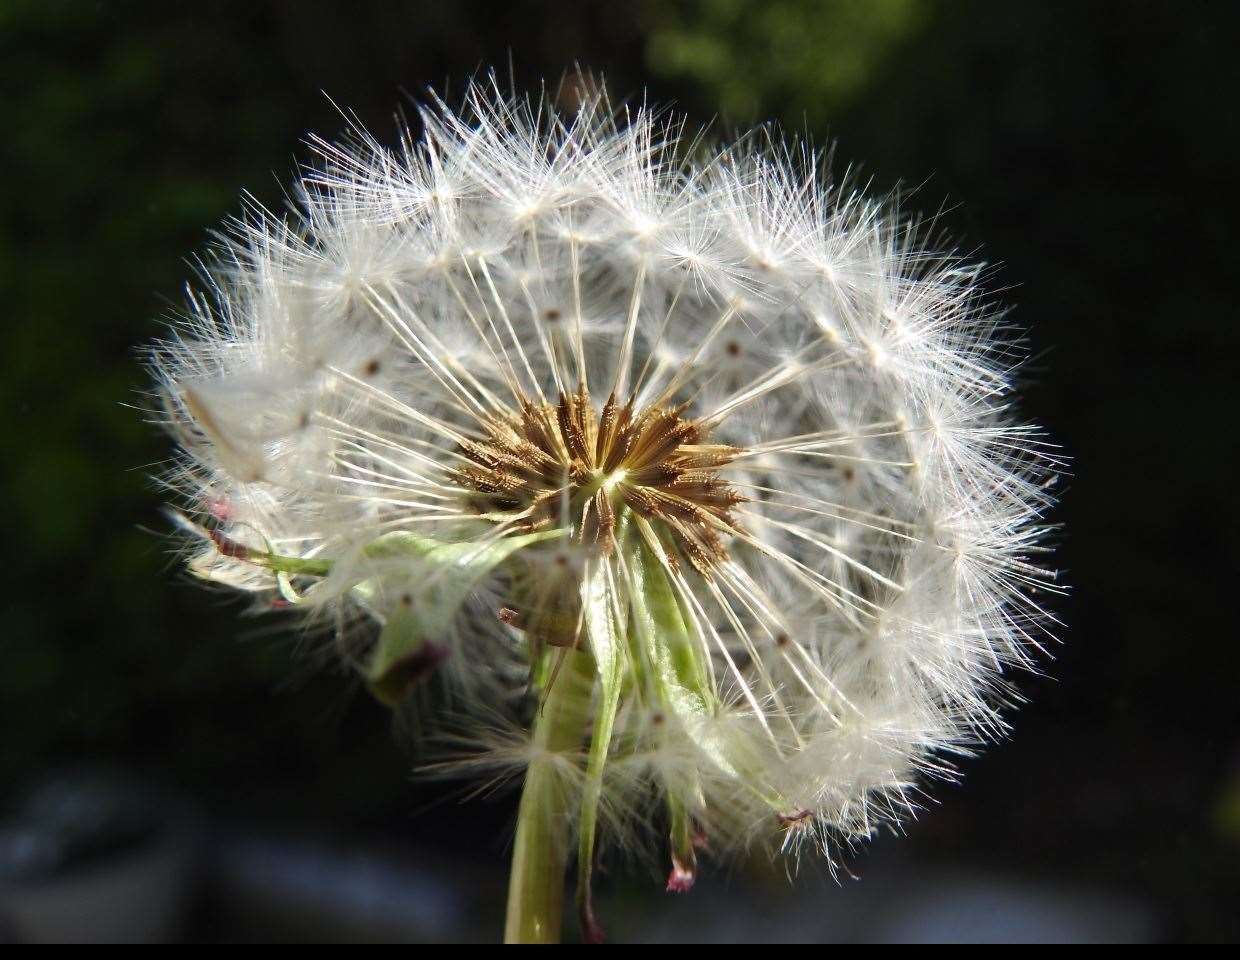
538	379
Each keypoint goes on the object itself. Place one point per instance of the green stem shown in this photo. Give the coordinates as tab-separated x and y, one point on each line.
540	851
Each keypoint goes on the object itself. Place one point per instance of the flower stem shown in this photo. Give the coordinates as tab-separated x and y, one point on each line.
540	851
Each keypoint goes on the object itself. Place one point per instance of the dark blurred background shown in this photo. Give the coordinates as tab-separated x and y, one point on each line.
1088	148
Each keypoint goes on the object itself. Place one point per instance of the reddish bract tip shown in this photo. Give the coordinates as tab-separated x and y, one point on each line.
591	930
229	547
681	877
220	508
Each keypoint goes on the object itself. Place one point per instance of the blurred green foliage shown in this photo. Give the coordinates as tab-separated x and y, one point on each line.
1092	147
809	58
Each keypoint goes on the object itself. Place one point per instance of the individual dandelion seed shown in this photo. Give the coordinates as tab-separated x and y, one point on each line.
688	477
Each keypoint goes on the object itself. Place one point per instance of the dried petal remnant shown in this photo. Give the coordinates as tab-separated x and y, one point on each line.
654	462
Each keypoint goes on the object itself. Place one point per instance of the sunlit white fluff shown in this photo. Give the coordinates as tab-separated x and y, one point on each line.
881	575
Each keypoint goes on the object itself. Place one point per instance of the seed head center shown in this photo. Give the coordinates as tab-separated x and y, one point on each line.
567	464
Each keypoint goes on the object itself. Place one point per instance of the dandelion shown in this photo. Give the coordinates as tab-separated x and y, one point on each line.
687	478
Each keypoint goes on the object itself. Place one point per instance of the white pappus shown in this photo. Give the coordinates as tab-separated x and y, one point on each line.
560	401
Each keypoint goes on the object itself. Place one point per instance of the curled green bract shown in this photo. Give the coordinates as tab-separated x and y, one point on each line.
432	580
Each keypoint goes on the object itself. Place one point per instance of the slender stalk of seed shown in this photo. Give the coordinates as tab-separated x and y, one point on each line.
540	851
